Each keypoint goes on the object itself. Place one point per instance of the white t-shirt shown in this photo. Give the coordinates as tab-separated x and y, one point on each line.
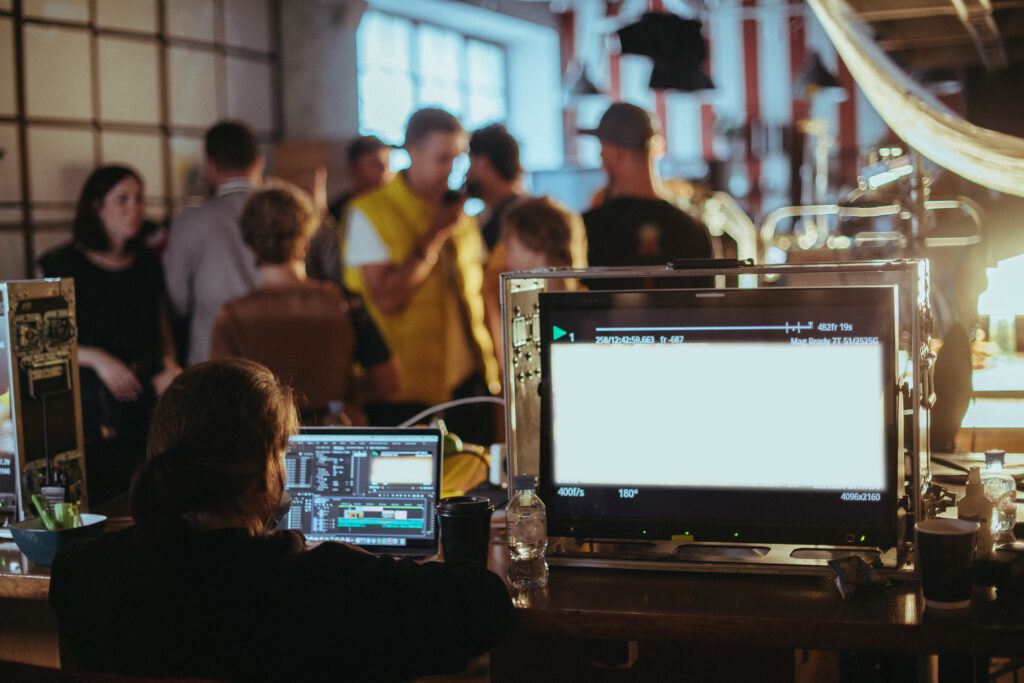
363	245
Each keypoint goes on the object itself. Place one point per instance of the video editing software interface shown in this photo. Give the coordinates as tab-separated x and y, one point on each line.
371	487
739	415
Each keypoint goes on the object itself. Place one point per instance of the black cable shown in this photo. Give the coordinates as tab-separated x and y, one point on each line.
46	443
950	464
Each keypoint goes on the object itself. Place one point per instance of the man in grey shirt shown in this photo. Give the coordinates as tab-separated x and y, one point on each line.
206	261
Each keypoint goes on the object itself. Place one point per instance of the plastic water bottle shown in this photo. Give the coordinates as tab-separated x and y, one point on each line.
976	507
526	521
1001	490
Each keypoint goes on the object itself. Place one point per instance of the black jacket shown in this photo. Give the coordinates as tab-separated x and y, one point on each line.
230	606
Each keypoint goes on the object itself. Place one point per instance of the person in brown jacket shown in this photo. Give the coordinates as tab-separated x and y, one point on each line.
309	333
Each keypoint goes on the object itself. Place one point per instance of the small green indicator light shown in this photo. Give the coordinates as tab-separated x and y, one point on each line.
644	532
862	537
735	534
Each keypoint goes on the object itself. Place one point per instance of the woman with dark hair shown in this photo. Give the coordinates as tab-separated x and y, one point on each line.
200	588
125	350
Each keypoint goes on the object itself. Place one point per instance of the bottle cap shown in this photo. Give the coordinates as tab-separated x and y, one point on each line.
995	456
525	482
974	484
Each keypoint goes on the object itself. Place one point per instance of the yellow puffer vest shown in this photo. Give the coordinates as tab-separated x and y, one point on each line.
419	334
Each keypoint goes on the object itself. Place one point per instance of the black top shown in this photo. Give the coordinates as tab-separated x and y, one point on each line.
491	230
627	231
117	311
227	605
371	348
339	205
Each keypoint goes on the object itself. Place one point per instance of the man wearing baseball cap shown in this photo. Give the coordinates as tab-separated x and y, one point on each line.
635	225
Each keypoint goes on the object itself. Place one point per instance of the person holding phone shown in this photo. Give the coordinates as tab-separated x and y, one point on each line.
415	257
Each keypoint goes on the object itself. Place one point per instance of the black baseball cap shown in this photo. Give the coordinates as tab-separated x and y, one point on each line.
625	125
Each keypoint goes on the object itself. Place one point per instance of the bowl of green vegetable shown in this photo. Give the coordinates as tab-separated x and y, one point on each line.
40	538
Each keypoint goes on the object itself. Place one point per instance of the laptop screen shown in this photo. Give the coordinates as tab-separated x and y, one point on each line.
374	487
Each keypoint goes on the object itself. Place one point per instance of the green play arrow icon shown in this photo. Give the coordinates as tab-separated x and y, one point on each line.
558	333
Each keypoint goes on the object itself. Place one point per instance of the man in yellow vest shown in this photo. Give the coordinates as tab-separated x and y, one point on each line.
415	257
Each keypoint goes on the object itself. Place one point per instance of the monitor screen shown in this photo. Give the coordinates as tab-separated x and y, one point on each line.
364	485
730	415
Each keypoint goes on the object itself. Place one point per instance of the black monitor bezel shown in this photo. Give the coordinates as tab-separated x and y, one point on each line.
882	533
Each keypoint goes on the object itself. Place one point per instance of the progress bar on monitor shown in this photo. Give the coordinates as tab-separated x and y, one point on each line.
788	327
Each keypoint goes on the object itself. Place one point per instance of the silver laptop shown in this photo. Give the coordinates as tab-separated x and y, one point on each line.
375	487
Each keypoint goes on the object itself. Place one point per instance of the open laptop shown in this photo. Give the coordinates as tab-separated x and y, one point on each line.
375	487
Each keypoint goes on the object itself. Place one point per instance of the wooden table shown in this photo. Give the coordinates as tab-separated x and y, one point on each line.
588	622
28	628
732	627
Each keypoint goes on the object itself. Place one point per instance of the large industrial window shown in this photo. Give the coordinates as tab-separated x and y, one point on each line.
85	83
405	65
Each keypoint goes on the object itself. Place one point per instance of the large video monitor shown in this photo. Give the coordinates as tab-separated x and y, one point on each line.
726	416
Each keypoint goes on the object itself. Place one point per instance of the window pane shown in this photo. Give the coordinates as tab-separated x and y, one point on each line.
10	164
439	55
140	151
385	76
63	10
128	81
486	84
59	161
385	102
382	42
193	89
192	19
486	66
57	74
445	69
8	105
484	109
134	15
12	250
250	93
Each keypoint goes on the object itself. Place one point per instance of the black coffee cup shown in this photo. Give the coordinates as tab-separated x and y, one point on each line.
465	523
945	560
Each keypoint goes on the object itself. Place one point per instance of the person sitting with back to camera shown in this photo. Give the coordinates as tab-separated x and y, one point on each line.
199	587
308	332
